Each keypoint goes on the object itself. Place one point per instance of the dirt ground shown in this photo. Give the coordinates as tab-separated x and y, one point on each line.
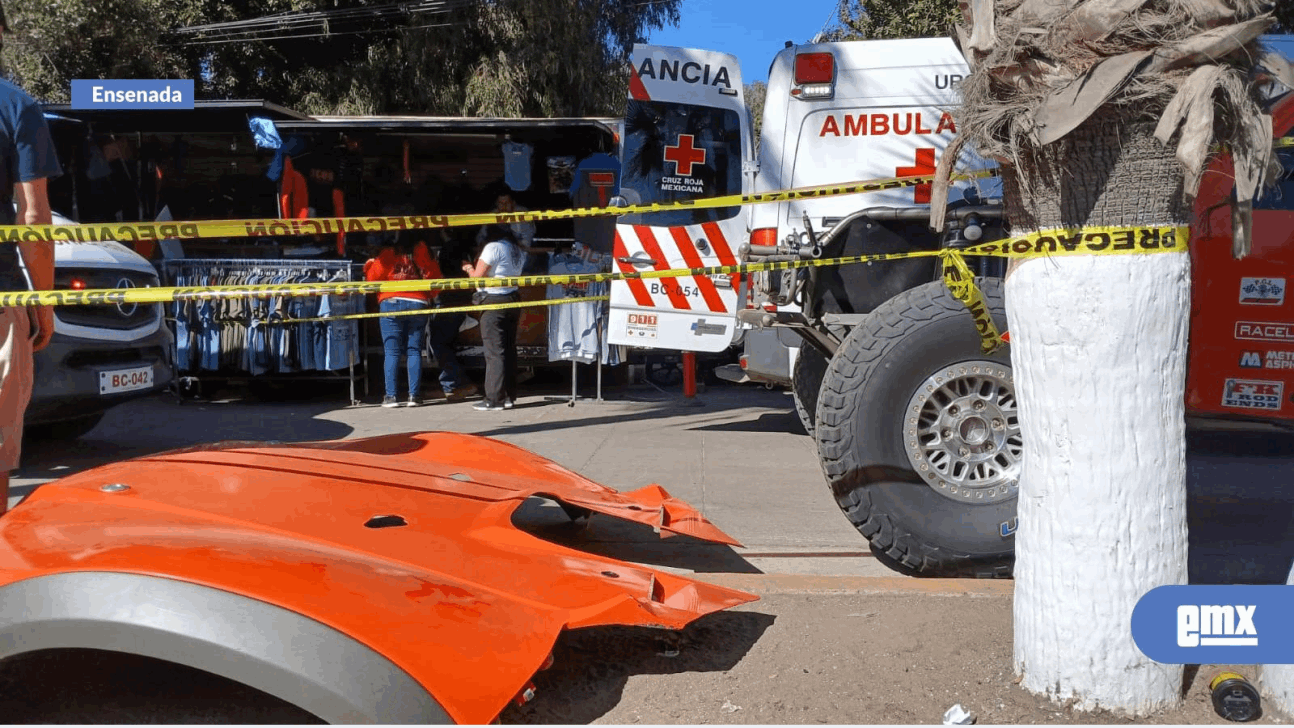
832	659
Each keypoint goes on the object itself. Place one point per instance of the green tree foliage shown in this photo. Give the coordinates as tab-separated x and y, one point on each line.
861	19
755	94
485	58
864	19
55	41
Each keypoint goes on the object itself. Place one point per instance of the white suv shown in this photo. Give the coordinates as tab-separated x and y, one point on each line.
99	356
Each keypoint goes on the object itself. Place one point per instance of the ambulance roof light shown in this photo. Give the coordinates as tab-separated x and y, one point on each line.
815	68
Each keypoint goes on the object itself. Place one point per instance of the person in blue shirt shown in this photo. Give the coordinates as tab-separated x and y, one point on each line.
27	160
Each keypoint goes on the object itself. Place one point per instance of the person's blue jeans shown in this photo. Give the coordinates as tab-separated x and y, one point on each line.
402	337
442	331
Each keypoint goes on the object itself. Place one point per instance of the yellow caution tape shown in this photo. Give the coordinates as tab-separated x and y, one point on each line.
1284	142
438	311
961	283
1046	243
282	227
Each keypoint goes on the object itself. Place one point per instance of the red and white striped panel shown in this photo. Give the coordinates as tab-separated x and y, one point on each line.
674	247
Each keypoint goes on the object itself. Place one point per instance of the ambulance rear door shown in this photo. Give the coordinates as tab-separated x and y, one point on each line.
686	136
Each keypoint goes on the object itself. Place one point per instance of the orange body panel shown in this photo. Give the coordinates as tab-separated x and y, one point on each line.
462	600
1222	374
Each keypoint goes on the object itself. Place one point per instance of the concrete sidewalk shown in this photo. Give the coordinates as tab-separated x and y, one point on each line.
836	637
740	457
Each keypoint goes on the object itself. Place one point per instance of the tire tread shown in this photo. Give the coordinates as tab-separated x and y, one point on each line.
853	363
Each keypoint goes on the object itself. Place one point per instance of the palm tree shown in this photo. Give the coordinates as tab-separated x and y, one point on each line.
1104	113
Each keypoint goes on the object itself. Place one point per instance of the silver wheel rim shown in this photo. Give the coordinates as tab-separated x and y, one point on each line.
962	432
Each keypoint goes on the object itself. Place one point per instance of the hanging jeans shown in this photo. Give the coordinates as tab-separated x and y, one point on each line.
499	334
441	333
402	337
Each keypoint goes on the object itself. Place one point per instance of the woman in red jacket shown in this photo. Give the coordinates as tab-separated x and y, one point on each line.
402	335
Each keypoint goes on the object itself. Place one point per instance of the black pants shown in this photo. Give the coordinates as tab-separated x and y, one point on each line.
499	335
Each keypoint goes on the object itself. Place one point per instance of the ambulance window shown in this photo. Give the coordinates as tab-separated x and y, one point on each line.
1280	196
675	152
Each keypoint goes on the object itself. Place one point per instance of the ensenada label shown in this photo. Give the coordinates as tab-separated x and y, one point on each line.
132	94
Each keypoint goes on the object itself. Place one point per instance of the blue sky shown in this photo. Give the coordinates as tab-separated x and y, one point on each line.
752	30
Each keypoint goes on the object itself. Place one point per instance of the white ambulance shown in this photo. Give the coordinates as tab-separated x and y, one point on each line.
834	113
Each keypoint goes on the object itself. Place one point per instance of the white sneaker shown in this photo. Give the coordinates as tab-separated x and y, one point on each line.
508	404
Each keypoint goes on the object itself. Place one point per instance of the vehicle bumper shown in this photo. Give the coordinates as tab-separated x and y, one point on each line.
67	381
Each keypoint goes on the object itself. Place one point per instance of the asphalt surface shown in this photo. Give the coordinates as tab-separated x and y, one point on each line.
739	455
836	636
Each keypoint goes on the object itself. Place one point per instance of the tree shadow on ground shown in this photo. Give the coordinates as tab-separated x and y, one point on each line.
158	424
592	666
614	538
768	422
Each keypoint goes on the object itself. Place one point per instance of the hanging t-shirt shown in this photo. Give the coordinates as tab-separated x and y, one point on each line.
573	327
505	260
516	165
597	180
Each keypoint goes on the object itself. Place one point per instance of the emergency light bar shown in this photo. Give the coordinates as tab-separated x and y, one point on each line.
815	76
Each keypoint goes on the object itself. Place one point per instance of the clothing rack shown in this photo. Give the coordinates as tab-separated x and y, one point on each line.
329	270
600	337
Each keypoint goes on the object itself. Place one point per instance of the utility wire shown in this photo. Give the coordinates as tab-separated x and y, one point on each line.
298	25
318	35
833	17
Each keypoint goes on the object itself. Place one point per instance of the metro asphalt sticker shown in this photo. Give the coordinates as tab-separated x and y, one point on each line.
1262	291
1265	331
1272	360
1253	394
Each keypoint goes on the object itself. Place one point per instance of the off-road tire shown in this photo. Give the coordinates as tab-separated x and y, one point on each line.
870	382
806	380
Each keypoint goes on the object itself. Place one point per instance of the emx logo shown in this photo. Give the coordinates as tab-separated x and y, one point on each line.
1220	625
1216	625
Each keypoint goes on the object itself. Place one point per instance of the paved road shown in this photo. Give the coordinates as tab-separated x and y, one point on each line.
740	457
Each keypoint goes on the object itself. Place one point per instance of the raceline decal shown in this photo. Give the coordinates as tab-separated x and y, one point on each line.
1265	331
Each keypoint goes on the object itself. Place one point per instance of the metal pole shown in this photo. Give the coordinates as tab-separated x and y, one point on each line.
689	376
574	394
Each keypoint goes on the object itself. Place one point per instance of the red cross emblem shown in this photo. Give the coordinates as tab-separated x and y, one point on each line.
684	155
925	165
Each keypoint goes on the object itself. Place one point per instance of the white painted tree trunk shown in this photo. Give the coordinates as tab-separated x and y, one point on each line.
1276	682
1098	345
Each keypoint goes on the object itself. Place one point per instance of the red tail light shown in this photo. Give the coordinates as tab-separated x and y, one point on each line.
815	68
764	236
77	284
742	359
